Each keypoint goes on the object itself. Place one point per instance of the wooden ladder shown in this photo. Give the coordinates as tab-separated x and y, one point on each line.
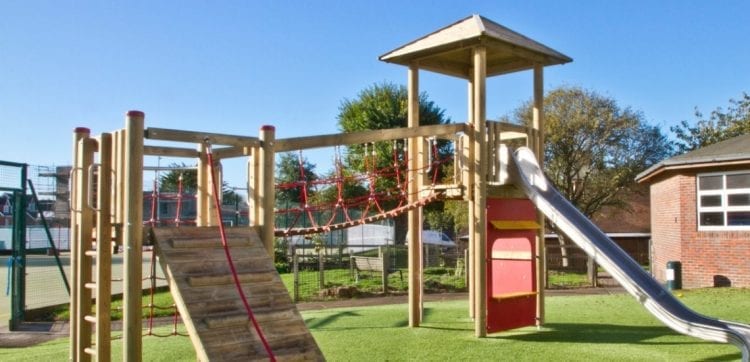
92	221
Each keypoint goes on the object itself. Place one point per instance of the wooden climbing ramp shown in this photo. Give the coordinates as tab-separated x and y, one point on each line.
211	307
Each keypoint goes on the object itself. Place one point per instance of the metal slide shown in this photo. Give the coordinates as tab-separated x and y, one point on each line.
527	175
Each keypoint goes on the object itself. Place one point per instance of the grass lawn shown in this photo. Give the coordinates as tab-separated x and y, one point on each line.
603	327
436	279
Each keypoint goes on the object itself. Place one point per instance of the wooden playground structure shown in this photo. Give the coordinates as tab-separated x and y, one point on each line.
506	232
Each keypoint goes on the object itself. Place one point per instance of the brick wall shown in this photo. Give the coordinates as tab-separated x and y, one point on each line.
666	224
709	258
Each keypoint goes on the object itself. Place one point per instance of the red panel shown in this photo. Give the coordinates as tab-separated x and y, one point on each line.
511	313
510	209
506	274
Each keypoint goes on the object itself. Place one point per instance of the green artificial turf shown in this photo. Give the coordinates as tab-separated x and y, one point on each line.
609	327
578	328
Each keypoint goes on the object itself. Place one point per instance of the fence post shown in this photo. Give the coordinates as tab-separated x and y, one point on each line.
321	269
295	271
386	266
592	272
18	270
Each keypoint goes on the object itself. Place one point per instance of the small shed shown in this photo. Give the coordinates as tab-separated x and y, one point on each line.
700	214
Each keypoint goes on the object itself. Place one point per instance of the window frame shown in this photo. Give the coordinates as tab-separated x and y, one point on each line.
724	208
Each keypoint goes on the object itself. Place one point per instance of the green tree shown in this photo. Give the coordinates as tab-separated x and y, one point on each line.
170	181
593	147
288	175
720	125
383	106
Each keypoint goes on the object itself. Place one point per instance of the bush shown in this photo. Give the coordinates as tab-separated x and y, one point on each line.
282	267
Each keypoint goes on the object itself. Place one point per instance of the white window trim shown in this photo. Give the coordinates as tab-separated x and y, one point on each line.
724	202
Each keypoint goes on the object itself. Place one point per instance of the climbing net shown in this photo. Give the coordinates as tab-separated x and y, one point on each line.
171	201
385	191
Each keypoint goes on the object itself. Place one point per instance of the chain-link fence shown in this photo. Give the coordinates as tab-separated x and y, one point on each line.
568	266
318	272
34	218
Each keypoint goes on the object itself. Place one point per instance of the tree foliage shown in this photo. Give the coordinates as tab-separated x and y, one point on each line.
720	125
288	172
593	147
383	106
170	182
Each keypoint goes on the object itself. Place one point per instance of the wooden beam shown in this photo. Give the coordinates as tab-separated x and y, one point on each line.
253	187
480	187
169	151
414	219
468	179
83	267
230	152
267	191
165	134
538	136
202	185
132	237
338	139
75	186
104	250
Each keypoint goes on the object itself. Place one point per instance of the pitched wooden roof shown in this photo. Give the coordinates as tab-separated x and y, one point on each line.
448	50
733	151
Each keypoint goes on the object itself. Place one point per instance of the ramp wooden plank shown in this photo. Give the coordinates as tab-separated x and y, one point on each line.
206	296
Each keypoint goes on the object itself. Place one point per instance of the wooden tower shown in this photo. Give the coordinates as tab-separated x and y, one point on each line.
475	48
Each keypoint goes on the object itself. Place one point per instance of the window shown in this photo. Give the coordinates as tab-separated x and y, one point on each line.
724	201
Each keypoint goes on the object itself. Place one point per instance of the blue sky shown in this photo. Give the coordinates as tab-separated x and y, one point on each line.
230	67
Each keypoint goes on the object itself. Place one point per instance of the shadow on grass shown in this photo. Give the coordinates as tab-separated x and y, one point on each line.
314	323
593	333
603	333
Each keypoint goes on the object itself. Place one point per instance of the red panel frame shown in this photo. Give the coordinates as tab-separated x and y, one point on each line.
511	276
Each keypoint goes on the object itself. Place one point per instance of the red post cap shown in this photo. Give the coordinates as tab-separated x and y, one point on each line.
85	130
135	113
267	127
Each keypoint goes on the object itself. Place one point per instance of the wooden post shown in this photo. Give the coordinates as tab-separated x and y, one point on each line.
118	194
132	237
104	250
541	252
383	252
321	266
479	55
468	178
414	215
295	271
267	191
75	181
253	186
211	214
87	147
202	199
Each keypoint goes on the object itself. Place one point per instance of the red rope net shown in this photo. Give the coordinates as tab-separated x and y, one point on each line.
371	207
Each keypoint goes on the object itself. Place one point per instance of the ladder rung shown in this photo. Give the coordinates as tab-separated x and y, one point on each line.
90	285
90	253
90	319
90	351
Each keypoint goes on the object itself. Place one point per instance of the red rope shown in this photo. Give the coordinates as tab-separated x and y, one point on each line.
224	244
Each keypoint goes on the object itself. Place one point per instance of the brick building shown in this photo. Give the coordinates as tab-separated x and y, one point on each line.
700	214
